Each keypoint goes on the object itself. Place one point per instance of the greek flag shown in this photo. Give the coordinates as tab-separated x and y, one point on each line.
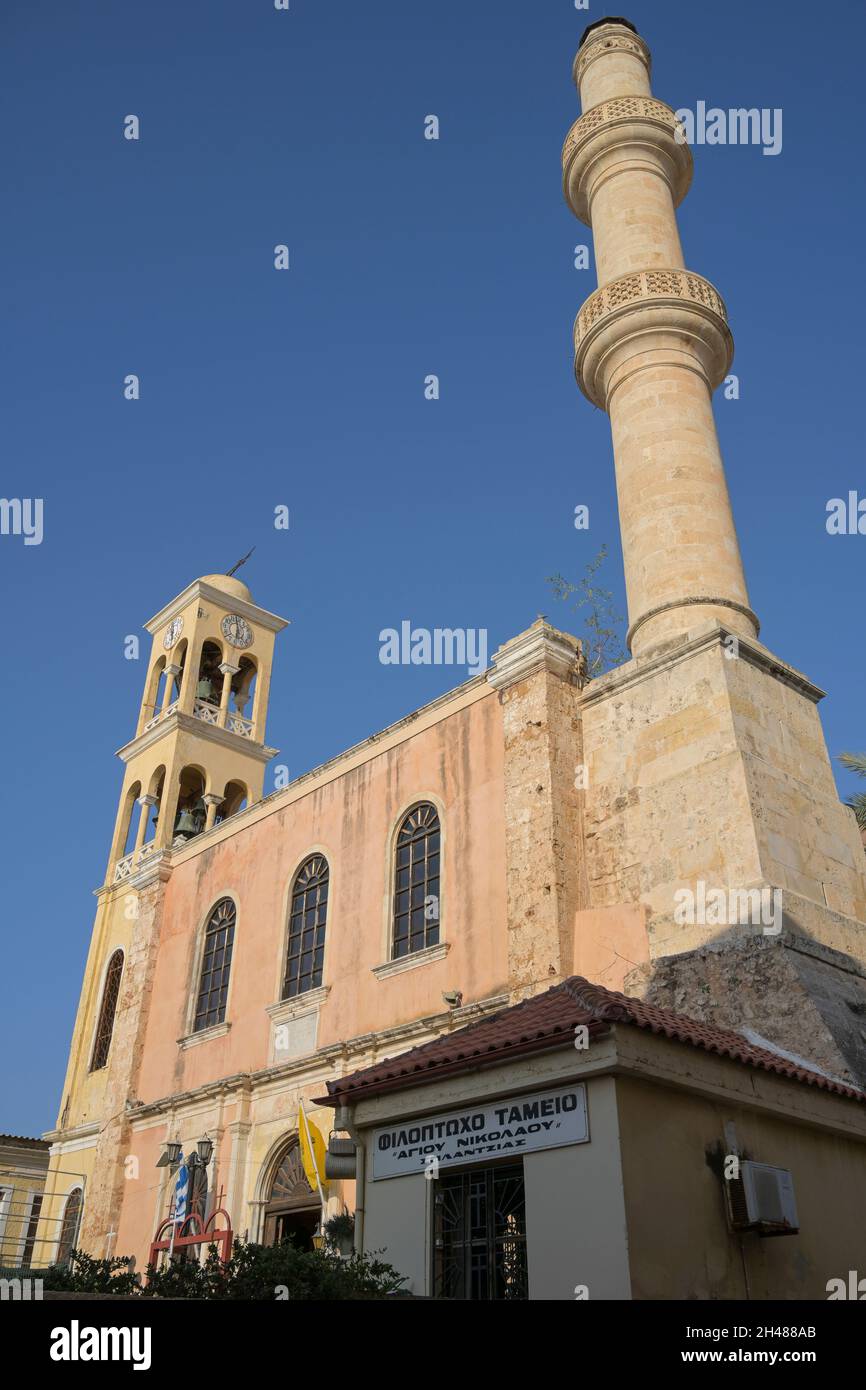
181	1193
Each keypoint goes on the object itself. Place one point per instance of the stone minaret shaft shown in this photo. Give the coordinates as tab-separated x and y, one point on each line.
651	345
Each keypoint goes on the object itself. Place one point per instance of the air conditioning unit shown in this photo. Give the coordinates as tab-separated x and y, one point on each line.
761	1199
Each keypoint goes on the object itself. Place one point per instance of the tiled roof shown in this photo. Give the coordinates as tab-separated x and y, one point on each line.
21	1140
546	1022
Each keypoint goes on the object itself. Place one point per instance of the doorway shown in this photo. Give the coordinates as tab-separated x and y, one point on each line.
293	1211
479	1234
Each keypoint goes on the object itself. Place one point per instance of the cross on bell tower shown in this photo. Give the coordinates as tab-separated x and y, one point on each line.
198	755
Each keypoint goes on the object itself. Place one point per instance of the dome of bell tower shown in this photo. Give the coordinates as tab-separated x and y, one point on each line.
228	584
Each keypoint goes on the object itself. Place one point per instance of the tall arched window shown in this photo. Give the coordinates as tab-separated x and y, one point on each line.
70	1225
416	883
216	964
307	919
105	1026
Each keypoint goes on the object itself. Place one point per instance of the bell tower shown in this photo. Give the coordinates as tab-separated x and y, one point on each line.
198	754
197	757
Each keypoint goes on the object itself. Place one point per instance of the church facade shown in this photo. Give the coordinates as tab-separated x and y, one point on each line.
529	826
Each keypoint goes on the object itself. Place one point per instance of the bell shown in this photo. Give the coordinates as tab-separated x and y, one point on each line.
186	823
204	689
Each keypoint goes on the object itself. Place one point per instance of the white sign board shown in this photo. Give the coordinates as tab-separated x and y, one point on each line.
496	1129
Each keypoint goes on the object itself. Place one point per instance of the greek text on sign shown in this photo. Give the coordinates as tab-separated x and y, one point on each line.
499	1128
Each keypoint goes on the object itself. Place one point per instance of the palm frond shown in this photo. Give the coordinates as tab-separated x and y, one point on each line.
855	761
858	803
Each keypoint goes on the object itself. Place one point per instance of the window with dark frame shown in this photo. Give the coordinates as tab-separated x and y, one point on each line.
105	1026
216	963
416	882
307	921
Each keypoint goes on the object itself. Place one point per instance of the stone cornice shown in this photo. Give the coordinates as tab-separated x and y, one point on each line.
677	650
540	648
60	1138
231	603
187	723
316	1064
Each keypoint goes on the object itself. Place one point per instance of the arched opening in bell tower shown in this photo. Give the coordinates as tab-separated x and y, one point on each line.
129	821
209	685
244	687
191	813
150	810
236	799
153	694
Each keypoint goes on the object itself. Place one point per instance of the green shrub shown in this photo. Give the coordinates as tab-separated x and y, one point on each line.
83	1274
268	1272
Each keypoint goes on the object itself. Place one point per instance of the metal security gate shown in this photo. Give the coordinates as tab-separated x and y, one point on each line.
479	1235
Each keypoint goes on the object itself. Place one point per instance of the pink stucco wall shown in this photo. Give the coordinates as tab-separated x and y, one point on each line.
351	818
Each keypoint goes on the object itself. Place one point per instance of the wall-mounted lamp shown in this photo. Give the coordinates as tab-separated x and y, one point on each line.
170	1155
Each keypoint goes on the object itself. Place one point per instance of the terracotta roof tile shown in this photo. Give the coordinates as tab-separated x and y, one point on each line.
547	1021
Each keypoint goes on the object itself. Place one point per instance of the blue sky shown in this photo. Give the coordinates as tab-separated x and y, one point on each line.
305	388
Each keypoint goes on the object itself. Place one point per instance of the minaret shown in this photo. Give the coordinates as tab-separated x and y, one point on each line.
651	345
706	769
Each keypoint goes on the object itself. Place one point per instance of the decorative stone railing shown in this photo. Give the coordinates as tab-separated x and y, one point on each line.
643	285
163	714
123	868
620	109
236	724
204	710
130	863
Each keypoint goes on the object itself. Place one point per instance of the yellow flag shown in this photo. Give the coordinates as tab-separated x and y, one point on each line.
312	1151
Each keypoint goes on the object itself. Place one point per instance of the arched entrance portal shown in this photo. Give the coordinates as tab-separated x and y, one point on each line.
293	1209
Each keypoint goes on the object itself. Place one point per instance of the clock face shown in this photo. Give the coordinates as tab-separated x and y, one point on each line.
172	632
236	630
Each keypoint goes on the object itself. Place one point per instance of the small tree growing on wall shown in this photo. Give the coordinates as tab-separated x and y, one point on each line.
603	644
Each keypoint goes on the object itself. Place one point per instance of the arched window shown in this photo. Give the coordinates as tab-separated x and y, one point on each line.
216	964
307	918
69	1227
416	883
105	1027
